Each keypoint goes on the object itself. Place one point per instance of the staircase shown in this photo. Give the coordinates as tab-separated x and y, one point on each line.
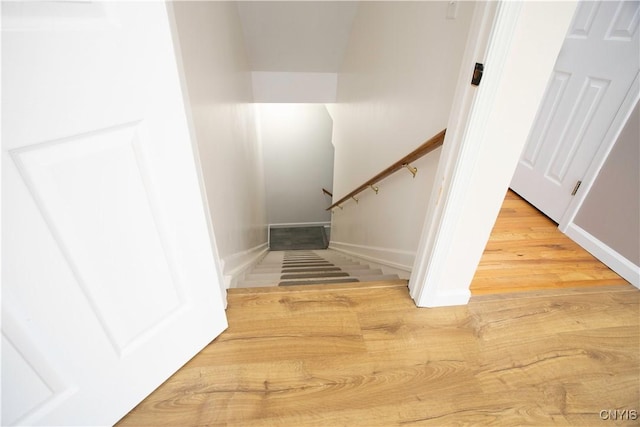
309	267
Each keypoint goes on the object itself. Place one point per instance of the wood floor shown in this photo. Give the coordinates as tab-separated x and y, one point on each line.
526	251
550	337
364	355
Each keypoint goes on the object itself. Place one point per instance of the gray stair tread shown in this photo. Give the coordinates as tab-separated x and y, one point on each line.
305	264
278	274
309	269
313	275
318	282
279	267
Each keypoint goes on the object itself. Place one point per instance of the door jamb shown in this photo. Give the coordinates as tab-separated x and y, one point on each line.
481	35
452	239
194	145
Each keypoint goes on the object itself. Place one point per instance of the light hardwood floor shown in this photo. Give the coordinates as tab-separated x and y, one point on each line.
526	251
364	355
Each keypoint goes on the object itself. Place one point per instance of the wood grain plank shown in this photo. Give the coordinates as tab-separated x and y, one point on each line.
359	356
526	252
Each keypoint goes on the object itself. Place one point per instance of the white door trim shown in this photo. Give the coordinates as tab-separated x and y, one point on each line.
173	27
437	228
469	190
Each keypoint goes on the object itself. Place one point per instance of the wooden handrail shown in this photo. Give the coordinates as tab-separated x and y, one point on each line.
327	192
430	145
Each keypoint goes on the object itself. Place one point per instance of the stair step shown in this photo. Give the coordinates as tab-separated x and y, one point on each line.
296	257
309	269
277	275
306	261
275	289
290	268
275	281
376	278
273	270
286	267
313	275
318	282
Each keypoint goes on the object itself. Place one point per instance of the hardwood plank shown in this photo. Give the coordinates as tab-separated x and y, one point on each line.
366	356
526	251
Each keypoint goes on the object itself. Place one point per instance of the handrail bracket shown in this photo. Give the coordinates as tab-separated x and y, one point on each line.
411	169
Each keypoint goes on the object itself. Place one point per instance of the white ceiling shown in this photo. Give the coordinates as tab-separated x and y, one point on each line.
296	36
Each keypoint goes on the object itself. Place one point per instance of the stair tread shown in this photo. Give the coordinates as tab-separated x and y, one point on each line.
318	282
401	283
313	275
277	274
309	269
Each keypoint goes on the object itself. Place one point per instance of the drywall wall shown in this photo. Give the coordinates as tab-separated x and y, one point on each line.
611	210
298	162
272	86
395	90
218	83
296	36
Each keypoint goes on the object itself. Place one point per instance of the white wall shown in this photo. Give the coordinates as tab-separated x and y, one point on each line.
298	157
218	83
395	91
296	36
272	86
611	210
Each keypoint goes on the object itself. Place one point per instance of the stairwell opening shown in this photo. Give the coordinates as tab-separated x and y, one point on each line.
298	158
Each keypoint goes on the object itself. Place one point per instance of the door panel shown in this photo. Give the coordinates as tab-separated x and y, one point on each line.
36	385
109	282
91	192
594	71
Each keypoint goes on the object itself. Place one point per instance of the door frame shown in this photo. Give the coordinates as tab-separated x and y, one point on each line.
173	28
467	195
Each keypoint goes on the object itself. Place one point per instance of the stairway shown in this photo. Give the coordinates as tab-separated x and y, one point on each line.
309	267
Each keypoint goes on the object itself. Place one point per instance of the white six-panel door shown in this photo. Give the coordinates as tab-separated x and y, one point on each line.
593	74
109	282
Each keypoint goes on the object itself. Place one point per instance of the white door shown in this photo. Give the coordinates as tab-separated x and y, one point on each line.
109	282
593	73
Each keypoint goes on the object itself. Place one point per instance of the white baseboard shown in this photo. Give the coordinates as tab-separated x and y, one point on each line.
234	265
394	258
300	224
612	259
447	298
